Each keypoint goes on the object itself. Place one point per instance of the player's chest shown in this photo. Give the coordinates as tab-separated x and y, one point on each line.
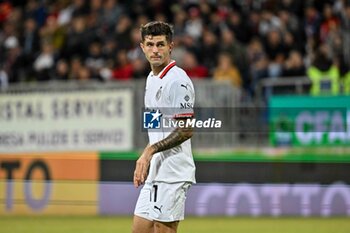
156	94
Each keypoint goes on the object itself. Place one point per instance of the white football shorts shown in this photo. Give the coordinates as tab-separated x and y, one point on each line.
163	202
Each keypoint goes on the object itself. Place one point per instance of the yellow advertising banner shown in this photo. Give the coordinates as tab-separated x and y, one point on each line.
49	183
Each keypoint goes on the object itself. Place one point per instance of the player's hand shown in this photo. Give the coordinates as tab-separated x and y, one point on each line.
142	165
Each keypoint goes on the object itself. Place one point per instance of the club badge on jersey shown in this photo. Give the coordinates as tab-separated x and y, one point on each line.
159	93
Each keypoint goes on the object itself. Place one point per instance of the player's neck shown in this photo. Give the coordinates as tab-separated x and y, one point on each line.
157	69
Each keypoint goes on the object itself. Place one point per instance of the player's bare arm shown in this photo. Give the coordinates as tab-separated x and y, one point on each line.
178	136
175	138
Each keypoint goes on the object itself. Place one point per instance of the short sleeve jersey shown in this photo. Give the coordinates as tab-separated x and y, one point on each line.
171	88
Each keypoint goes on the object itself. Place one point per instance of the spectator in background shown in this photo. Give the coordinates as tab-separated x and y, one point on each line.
292	31
95	60
36	10
106	72
44	64
294	65
30	40
312	21
275	50
77	41
61	70
290	44
331	34
226	70
8	31
135	50
178	51
69	10
258	62
289	22
96	7
238	27
329	22
124	68
109	48
75	65
79	8
78	71
140	68
5	11
84	74
16	18
191	45
122	32
193	68
336	48
13	62
324	74
238	54
111	13
207	13
322	59
53	33
269	22
94	30
194	23
209	51
180	17
252	26
294	6
216	23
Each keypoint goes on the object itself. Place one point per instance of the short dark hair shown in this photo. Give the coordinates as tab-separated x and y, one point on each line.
157	28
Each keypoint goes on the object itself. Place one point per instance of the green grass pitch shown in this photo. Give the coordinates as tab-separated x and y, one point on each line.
82	224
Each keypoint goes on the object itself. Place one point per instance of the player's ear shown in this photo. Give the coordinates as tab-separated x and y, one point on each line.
142	46
171	46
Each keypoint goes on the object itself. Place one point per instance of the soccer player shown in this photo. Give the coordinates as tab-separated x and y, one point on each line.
166	166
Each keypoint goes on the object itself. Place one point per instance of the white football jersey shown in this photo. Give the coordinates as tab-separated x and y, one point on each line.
170	89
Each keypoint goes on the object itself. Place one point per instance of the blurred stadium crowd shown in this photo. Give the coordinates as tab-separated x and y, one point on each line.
240	40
